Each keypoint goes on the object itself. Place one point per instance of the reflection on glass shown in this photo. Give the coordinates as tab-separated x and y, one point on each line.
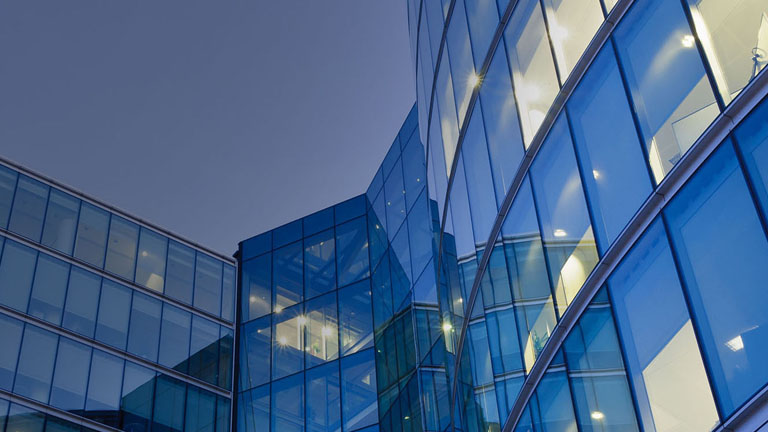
288	276
36	359
319	264
91	240
16	273
121	247
23	419
150	267
114	311
355	317
256	291
174	338
169	405
144	331
136	401
204	350
551	406
323	399
253	410
29	208
358	390
48	289
180	274
288	404
60	221
200	411
288	342
536	322
322	340
11	330
82	302
7	189
352	251
255	339
104	382
572	24
208	273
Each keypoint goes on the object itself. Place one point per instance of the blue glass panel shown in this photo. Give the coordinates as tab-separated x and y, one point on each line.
752	137
222	415
91	240
60	221
414	169
228	293
55	424
607	144
180	275
286	234
82	302
71	375
29	208
204	350
318	221
319	264
288	276
351	252
483	18
169	405
121	247
256	287
201	411
253	410
114	313
420	236
7	189
35	370
390	159
355	317
288	342
23	419
174	338
150	266
257	245
226	350
49	289
358	391
136	401
255	353
461	61
104	384
506	394
394	193
323	399
144	330
718	255
208	273
551	406
504	345
287	413
322	332
480	354
16	273
477	173
11	330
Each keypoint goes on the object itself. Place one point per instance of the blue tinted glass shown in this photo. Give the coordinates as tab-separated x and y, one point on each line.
321	329
144	330
71	375
29	208
323	399
551	406
477	175
420	235
7	189
35	370
91	240
319	264
355	317
150	265
23	419
287	233
180	277
752	137
136	401
226	349
358	391
54	424
204	350
104	384
16	273
318	221
288	279
610	153
82	302
49	289
121	247
483	17
716	253
256	292
222	415
481	356
169	405
174	338
502	335
60	221
287	413
351	251
254	353
390	158
11	330
394	193
256	245
114	312
288	342
228	293
253	410
208	273
201	411
414	169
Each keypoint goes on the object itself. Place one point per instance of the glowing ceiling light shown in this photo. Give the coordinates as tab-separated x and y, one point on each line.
407	418
302	320
687	41
558	33
144	253
278	309
596	174
474	80
326	331
447	326
597	415
252	299
560	233
735	344
282	340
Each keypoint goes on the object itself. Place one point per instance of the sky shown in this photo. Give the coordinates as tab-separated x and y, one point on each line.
215	119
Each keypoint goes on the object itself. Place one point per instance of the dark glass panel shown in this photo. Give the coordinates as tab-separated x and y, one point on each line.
287	280
319	264
104	384
49	289
36	359
169	405
255	353
358	390
253	410
121	247
150	265
323	398
355	317
287	413
29	208
60	221
70	378
91	240
114	313
352	251
82	302
11	330
228	293
256	292
23	419
144	330
17	270
136	401
208	284
204	350
201	411
7	189
174	338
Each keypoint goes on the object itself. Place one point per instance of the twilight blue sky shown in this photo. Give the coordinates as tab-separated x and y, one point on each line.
216	119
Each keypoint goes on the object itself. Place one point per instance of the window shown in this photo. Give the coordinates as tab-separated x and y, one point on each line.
752	137
23	419
49	289
228	293
394	194
114	312
180	277
70	378
35	370
144	330
174	338
352	251
82	302
7	189
29	208
319	264
201	411
208	284
204	350
666	78
150	267
253	410
322	340
16	272
169	405
257	294
323	399
11	330
551	405
722	249
226	348
288	342
121	249
136	401
287	280
355	317
104	382
60	221
255	340
222	415
288	404
503	340
358	391
91	240
572	24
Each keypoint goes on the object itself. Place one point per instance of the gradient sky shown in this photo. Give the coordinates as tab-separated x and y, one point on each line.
216	119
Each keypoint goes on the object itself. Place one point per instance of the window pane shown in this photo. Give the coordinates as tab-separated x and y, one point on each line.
38	352
208	284
82	301
358	391
7	189
228	293
752	137
256	297
323	399
287	280
319	264
567	234
29	208
174	338
352	251
169	405
572	24
254	353
288	404
150	268
355	317
16	272
71	376
322	342
722	262
201	411
54	424
551	405
103	402
180	277
204	350
144	331
114	312
671	385
608	147
226	349
91	235
671	92
121	250
136	401
734	35
23	419
503	340
10	329
288	342
60	221
222	415
533	70
253	410
49	289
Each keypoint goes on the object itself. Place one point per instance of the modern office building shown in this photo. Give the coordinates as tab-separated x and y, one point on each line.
567	234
